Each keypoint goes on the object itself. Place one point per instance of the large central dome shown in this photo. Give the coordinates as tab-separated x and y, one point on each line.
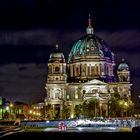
89	46
90	58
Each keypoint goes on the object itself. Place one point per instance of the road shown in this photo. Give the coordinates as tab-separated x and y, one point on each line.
84	129
9	130
63	135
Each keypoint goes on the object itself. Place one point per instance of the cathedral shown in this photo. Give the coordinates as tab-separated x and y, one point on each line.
89	73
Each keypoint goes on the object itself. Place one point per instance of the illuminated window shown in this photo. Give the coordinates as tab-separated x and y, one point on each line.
76	96
68	96
56	95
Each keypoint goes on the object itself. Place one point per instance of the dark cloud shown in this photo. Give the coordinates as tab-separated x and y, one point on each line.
123	43
29	30
127	40
37	37
26	85
32	76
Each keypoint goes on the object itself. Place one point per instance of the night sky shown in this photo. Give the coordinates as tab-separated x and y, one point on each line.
29	30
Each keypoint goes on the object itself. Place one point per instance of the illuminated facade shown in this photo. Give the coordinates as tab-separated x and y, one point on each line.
90	73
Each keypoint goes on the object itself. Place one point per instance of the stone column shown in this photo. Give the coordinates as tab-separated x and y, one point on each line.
72	109
106	113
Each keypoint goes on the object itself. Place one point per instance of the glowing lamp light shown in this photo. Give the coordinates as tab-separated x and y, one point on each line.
11	105
7	107
30	111
126	104
72	115
121	102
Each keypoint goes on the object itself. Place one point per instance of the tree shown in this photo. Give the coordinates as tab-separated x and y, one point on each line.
65	112
131	108
91	107
127	107
26	111
78	110
113	105
120	106
95	103
49	112
85	110
6	115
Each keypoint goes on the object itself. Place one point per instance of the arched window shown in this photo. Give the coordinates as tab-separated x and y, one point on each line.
57	69
57	93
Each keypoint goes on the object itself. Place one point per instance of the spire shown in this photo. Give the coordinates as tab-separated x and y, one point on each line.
89	21
123	60
89	29
56	46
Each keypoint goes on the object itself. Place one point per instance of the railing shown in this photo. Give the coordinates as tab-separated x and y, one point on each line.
72	123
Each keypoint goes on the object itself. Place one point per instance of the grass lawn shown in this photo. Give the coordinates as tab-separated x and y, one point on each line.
34	129
125	129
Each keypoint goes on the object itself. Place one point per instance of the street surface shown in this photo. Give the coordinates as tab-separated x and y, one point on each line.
9	130
84	129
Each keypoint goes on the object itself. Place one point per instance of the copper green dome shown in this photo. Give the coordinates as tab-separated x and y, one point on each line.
123	66
57	55
90	45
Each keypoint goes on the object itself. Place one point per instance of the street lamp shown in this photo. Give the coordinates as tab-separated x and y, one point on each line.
11	108
11	105
7	108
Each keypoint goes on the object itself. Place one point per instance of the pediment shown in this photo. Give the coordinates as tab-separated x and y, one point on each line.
95	82
56	61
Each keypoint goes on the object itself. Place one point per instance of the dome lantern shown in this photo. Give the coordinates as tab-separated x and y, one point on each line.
89	29
56	46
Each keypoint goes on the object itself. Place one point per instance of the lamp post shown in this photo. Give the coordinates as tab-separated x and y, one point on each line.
11	107
31	113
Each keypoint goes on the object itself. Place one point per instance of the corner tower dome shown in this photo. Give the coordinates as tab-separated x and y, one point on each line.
57	55
89	45
123	66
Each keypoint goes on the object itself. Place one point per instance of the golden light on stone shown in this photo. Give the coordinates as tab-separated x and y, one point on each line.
88	75
11	105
